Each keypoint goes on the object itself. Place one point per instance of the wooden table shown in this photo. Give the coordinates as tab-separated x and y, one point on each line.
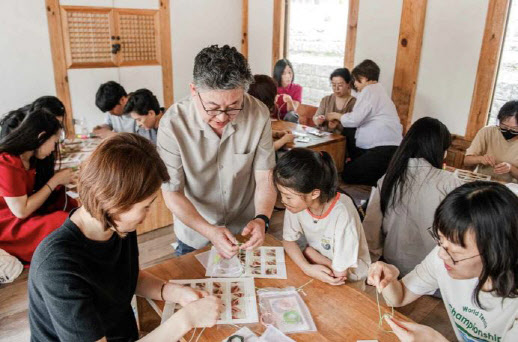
341	313
333	144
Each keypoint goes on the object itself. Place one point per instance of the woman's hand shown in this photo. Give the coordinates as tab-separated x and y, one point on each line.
182	294
487	160
62	177
333	116
286	98
502	168
202	313
319	120
382	274
323	273
413	332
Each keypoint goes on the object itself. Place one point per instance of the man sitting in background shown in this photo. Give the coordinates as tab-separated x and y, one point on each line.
111	99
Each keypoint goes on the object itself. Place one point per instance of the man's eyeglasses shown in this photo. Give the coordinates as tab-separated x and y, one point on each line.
437	240
216	112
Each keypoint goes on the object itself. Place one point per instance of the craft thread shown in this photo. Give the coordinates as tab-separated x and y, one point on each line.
382	316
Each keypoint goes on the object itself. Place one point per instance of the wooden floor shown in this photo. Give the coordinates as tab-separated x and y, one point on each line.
154	248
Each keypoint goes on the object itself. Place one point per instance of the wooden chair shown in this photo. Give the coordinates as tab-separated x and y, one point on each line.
306	113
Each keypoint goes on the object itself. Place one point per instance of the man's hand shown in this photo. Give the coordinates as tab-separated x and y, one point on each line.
224	241
103	132
256	229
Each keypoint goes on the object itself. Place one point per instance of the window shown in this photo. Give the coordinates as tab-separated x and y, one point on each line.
506	87
316	32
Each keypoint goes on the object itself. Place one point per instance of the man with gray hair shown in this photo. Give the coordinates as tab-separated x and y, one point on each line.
217	146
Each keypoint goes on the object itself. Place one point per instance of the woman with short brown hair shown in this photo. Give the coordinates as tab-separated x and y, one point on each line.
84	275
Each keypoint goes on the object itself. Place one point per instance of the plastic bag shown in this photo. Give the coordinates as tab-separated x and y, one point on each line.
272	334
221	267
285	309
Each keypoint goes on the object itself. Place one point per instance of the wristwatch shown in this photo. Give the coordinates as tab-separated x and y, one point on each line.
265	219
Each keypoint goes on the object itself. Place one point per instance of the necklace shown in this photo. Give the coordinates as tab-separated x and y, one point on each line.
315	220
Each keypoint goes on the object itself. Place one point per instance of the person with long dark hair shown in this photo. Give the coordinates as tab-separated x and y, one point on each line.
475	266
14	118
24	220
289	94
494	151
402	205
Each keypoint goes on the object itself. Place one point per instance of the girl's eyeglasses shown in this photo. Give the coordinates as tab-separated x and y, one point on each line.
437	240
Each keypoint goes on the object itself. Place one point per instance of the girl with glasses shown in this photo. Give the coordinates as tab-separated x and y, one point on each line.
475	266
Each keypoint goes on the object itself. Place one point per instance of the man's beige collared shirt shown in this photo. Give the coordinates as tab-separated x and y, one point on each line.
216	174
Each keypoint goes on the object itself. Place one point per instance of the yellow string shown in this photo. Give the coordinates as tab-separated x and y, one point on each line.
382	316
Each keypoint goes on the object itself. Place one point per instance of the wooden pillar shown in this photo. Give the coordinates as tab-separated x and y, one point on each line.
408	56
350	39
278	30
59	64
244	29
487	70
166	60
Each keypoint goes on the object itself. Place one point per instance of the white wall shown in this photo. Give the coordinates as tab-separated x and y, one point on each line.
25	62
449	58
196	24
260	36
377	36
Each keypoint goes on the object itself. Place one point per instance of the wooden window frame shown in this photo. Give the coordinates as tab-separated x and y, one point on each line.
280	23
487	70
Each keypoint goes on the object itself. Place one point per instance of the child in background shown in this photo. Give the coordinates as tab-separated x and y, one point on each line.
111	98
337	249
144	108
265	90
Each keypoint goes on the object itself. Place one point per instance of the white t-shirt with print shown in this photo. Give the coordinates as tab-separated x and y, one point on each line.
497	322
337	234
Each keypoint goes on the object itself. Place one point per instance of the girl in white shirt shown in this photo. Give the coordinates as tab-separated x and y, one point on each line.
337	249
372	129
475	265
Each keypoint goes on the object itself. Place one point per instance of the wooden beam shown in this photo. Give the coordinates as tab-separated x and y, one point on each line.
350	38
487	70
166	60
408	57
244	29
278	30
59	64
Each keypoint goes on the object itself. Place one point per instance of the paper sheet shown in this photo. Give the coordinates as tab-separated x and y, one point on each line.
237	295
469	176
263	262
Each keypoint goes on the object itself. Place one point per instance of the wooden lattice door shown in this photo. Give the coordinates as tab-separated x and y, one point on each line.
110	37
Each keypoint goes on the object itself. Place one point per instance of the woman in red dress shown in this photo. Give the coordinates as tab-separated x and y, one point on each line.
24	219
